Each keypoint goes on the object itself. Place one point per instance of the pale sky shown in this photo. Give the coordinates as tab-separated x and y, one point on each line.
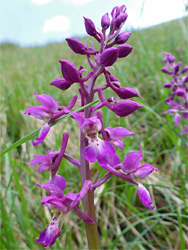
38	22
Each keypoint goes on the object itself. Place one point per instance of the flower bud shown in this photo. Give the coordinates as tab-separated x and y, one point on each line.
165	70
109	56
115	12
69	71
123	8
167	85
115	81
60	83
180	92
144	170
185	69
184	79
120	19
76	45
125	93
125	108
177	67
90	27
177	118
122	38
124	50
144	196
105	21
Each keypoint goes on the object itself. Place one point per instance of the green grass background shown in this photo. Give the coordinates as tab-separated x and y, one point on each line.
124	223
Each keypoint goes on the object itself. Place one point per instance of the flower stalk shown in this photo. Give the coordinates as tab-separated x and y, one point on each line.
97	144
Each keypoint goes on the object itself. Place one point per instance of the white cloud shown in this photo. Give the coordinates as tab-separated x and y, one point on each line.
77	2
40	2
56	24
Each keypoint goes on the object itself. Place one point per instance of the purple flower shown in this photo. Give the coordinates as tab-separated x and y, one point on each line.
144	196
61	204
45	112
56	198
97	149
131	165
52	160
114	134
51	233
46	160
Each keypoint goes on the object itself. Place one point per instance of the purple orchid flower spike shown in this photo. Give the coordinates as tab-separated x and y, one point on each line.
96	142
45	112
178	99
114	134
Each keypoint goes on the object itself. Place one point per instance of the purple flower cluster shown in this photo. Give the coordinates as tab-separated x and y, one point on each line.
179	95
97	142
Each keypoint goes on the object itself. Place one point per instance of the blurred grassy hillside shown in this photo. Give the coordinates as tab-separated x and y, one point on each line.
124	222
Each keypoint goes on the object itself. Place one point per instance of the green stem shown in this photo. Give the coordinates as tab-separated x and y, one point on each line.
89	208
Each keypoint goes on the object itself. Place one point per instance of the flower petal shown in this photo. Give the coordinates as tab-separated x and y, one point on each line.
58	181
48	102
118	132
131	161
98	149
144	196
144	170
42	134
38	112
50	234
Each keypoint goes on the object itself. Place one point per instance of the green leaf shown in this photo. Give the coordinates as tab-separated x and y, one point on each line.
35	133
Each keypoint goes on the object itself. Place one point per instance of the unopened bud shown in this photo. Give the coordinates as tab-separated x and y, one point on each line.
125	93
124	50
69	71
122	38
125	108
76	45
90	27
105	21
167	85
165	70
185	69
109	56
60	83
120	19
180	92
